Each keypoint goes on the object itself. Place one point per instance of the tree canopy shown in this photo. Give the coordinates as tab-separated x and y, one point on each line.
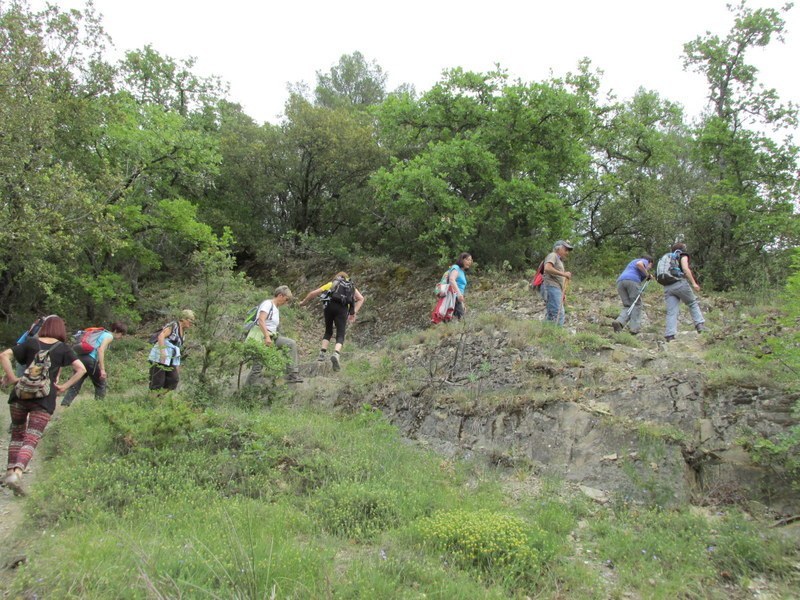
112	172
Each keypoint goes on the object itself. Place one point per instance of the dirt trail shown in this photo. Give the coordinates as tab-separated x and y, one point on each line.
10	506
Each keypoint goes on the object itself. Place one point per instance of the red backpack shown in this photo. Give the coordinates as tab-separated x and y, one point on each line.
87	340
538	278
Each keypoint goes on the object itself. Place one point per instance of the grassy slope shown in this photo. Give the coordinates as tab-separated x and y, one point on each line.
195	497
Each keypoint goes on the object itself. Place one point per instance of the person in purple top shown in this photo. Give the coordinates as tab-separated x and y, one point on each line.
629	287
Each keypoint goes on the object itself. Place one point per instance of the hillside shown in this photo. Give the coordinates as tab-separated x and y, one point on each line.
544	462
625	415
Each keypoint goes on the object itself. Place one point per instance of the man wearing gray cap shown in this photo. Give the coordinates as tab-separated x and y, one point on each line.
554	286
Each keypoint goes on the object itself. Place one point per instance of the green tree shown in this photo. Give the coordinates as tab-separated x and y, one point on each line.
45	205
743	214
352	83
164	81
633	197
483	165
323	160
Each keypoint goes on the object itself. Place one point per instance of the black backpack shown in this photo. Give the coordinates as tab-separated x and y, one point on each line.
342	291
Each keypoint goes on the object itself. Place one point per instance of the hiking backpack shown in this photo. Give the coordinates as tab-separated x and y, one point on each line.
252	318
35	380
87	340
173	337
342	291
538	278
668	268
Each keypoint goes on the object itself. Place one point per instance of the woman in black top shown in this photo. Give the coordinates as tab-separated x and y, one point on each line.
30	416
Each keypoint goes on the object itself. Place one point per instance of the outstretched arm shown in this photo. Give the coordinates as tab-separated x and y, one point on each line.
311	295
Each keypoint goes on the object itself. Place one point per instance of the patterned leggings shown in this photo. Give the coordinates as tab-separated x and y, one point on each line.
27	426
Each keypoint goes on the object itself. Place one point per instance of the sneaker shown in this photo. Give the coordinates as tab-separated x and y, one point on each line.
617	326
701	327
14	483
335	361
294	378
321	357
669	338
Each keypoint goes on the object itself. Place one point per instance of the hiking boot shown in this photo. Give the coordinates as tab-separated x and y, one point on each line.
335	361
617	326
701	327
669	338
294	378
321	357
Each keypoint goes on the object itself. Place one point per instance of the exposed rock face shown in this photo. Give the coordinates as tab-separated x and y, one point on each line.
627	421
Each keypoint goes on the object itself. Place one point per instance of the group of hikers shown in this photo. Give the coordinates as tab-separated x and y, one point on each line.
552	281
43	350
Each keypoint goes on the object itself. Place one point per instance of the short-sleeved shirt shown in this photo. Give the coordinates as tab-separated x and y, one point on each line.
61	355
632	272
555	280
100	339
461	278
272	321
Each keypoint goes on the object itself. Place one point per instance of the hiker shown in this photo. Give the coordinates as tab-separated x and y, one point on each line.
674	273
451	291
33	398
629	287
556	280
165	355
342	301
266	328
95	361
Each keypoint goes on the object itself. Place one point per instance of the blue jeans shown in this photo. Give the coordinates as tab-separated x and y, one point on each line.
553	296
674	294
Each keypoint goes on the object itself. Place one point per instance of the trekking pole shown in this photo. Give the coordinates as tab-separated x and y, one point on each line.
630	310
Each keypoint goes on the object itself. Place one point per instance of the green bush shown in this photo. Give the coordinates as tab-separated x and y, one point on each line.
160	422
356	511
495	543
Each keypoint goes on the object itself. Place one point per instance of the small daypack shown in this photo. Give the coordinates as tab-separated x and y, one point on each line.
342	291
87	340
538	278
668	268
35	381
252	318
174	337
440	290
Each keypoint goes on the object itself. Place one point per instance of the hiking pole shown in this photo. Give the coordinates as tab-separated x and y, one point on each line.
641	291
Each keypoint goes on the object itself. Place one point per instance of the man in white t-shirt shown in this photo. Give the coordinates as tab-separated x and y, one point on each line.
266	329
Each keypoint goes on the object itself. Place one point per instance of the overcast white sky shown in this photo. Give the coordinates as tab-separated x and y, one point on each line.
260	47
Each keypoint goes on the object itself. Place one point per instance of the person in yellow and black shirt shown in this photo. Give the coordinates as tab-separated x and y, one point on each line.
342	301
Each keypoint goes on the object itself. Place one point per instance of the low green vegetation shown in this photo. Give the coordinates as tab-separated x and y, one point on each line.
171	496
